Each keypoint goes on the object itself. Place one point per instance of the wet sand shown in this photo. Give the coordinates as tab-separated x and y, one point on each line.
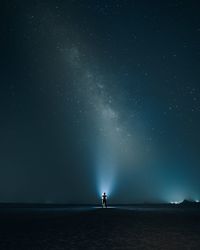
94	228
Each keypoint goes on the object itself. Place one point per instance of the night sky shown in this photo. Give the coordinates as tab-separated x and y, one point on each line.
99	96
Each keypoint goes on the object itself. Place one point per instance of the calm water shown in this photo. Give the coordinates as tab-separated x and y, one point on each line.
90	227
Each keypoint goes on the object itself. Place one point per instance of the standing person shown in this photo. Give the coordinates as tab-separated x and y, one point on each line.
104	200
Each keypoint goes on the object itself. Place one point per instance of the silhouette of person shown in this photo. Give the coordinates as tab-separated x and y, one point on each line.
104	200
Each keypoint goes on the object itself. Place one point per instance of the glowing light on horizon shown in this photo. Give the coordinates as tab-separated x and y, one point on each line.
176	202
176	194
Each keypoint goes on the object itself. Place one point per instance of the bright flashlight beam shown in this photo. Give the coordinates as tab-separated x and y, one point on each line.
105	179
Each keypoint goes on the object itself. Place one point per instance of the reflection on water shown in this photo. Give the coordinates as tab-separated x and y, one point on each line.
74	209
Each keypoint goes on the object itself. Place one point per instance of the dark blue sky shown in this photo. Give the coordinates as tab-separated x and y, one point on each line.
99	96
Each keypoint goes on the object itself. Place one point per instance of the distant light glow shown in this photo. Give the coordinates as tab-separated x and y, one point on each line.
197	201
176	202
175	194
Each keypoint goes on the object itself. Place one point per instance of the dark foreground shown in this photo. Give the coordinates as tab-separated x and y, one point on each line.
94	228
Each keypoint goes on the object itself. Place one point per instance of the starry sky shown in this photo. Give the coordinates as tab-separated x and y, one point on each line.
99	95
